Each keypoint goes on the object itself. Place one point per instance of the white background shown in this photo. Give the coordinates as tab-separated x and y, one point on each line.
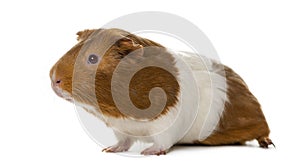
259	39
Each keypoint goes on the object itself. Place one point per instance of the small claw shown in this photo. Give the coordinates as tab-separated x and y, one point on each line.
154	153
265	142
107	150
161	153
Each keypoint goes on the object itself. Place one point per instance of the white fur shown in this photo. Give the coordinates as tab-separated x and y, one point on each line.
211	85
196	115
53	77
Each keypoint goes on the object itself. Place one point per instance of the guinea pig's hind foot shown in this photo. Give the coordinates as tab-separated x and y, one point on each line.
264	142
121	146
154	150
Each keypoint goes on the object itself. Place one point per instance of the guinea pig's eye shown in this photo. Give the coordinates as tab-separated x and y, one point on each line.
93	59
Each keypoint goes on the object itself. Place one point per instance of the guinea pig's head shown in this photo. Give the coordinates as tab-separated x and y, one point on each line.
61	73
84	74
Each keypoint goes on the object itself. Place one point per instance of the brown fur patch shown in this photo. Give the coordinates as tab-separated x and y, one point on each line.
242	119
141	83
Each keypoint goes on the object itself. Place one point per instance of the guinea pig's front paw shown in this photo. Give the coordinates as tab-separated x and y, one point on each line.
154	150
119	147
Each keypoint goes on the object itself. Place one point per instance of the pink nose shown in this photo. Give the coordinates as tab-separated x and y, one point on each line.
56	82
56	87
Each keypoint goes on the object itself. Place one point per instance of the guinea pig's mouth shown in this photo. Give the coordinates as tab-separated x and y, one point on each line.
63	94
67	97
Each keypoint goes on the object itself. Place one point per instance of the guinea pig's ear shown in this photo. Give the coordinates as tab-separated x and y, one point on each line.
84	34
127	45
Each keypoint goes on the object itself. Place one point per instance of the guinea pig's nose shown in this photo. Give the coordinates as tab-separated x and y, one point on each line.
56	82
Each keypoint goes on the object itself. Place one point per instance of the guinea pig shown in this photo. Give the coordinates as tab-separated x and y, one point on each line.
146	92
